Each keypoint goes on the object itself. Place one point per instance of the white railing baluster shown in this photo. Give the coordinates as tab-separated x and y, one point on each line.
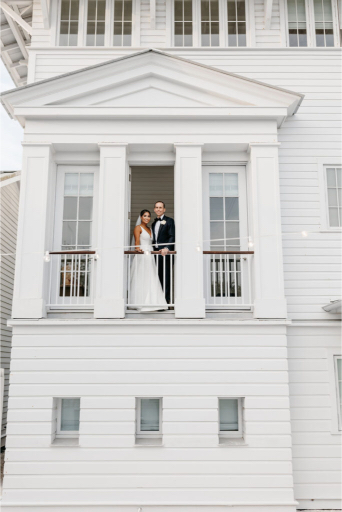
171	279
242	280
64	269
79	276
129	280
235	279
221	280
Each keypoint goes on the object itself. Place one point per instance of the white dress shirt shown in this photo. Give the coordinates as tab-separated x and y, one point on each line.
157	227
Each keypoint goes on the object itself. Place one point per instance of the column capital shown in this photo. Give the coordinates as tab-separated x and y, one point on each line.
29	144
262	145
188	144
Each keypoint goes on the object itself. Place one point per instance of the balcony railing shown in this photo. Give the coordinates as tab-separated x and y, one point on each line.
141	292
71	280
227	279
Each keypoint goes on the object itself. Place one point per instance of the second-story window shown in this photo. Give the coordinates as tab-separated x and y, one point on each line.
210	26
297	23
183	23
68	33
122	23
236	22
77	211
96	22
324	30
334	186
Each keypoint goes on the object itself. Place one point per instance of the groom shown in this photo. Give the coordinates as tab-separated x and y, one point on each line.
163	231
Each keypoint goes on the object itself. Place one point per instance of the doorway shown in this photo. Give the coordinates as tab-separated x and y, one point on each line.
148	185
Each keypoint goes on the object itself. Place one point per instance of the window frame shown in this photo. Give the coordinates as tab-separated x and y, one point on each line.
234	433
322	165
338	397
310	25
63	434
336	420
223	26
156	434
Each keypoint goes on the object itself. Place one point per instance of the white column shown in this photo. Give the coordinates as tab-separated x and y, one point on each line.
189	297
110	275
263	170
35	228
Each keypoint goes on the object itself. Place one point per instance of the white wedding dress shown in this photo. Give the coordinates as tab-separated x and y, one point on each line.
145	287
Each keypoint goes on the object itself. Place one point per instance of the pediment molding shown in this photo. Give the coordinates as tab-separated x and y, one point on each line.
150	80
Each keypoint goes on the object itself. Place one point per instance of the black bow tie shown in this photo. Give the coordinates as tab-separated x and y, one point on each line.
158	219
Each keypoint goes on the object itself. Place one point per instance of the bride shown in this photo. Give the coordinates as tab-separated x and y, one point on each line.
145	287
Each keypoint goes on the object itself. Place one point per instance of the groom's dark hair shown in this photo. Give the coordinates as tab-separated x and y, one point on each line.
160	202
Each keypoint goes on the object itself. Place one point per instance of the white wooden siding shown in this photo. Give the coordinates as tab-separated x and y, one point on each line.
316	449
190	366
9	203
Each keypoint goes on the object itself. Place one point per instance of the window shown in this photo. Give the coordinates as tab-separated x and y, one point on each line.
338	377
334	189
122	23
236	22
68	33
324	23
68	417
210	28
230	417
149	418
297	23
77	211
96	22
183	23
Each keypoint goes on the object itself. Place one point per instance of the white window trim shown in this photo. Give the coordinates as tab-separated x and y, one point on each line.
336	420
236	433
322	164
310	25
61	434
109	23
143	434
223	23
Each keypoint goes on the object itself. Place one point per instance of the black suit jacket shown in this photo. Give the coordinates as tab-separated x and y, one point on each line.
166	234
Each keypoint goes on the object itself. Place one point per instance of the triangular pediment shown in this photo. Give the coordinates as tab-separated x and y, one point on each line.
151	80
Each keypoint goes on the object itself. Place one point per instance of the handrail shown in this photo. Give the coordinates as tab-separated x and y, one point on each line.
228	252
72	252
150	252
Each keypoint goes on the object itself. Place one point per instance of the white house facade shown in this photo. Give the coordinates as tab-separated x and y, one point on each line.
230	399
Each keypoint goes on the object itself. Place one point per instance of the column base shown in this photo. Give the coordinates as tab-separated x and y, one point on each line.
270	308
109	308
29	308
189	308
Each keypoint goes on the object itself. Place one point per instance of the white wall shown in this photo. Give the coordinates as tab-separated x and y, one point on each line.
189	366
316	441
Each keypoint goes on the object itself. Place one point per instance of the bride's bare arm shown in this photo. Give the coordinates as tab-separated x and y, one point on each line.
137	232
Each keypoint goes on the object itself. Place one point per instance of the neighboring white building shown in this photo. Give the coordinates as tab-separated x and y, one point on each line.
9	207
232	399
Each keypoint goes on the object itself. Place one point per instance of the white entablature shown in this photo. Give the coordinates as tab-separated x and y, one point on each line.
151	84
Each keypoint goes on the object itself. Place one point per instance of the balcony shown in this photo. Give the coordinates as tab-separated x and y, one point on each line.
227	281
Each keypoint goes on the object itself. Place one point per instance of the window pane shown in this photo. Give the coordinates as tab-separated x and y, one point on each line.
331	178
205	10
339	368
187	34
232	208
214	10
231	184
90	34
149	414
101	10
229	416
241	14
215	38
178	10
74	10
99	41
86	184
70	208
217	233
118	10
65	7
242	41
86	208
339	176
232	234
63	37
127	31
327	10
92	10
216	184
232	39
178	34
216	208
205	37
71	184
231	6
70	414
187	10
84	233
332	197
128	10
333	218
69	233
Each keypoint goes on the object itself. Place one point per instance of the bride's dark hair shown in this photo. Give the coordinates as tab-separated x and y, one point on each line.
143	212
